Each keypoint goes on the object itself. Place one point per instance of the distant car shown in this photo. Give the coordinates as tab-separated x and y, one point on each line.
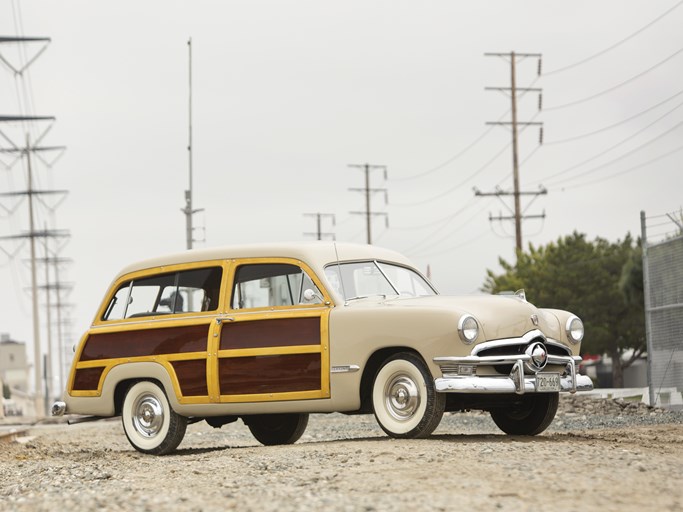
271	333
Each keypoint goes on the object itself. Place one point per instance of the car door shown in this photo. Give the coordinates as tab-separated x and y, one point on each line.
273	340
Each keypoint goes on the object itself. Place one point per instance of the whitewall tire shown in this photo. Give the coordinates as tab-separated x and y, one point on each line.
404	399
150	424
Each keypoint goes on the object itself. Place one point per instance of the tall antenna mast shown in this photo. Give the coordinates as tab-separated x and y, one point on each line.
188	210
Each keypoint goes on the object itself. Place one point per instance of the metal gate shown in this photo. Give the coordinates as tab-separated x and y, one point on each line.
662	240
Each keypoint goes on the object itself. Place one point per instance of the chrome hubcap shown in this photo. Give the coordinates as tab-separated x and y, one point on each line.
401	397
148	415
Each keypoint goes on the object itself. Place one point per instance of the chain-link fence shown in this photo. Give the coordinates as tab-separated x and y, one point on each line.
662	238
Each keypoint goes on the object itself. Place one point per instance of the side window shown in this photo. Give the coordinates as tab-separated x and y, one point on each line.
200	289
272	285
177	292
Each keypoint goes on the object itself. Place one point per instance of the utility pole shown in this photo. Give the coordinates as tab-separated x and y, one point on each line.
368	213
188	210
518	214
319	233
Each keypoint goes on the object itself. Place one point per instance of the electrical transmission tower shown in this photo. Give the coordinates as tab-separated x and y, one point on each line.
368	213
319	233
53	240
517	213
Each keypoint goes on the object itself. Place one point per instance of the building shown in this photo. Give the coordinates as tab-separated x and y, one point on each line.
13	364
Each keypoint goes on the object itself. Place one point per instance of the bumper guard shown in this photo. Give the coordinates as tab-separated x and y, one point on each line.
516	382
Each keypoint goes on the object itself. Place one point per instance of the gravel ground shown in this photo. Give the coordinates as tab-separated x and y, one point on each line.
597	455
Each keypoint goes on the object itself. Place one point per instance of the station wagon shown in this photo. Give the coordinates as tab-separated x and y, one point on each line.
268	334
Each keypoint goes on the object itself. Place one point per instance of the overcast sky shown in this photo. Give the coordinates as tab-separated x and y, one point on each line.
288	93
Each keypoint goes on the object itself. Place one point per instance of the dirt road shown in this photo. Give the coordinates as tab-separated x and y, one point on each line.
346	463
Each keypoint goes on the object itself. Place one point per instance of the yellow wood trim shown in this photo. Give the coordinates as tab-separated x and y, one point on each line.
325	354
291	261
154	322
89	393
183	356
268	351
194	399
212	376
270	397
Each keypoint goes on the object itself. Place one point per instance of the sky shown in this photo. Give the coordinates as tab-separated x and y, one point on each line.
286	95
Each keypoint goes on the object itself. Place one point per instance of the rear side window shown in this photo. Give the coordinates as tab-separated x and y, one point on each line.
186	291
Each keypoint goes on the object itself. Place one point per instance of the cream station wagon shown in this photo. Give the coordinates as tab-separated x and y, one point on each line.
271	333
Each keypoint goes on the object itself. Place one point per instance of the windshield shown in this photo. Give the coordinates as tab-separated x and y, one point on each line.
366	278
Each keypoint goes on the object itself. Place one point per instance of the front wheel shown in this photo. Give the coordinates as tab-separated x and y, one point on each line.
273	429
531	415
150	424
404	399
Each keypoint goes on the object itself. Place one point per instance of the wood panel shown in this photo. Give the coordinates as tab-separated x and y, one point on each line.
277	332
269	374
145	342
191	377
87	379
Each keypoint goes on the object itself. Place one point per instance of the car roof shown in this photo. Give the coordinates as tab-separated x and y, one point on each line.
315	254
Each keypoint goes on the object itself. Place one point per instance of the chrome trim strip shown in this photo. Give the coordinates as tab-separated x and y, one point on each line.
488	385
508	342
555	343
345	368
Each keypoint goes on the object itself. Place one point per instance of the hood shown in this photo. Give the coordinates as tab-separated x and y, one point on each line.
498	316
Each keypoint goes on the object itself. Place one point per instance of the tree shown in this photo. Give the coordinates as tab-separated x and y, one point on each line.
5	391
597	281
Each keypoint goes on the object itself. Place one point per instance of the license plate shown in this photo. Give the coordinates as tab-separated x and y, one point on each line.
547	382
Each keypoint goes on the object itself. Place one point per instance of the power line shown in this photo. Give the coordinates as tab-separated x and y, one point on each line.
607	150
600	130
466	222
615	45
611	89
621	157
458	185
461	152
449	160
625	171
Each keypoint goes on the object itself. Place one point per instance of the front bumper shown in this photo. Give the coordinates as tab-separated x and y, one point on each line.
516	382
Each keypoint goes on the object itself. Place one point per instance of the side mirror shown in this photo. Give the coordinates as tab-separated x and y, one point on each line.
310	295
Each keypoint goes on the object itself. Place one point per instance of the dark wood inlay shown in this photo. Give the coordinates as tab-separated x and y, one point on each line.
191	377
87	379
146	342
278	332
269	374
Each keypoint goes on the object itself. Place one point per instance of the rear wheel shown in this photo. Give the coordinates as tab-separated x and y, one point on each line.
150	424
273	429
531	415
404	399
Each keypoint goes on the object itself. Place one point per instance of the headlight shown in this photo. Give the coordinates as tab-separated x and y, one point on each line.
468	328
574	329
